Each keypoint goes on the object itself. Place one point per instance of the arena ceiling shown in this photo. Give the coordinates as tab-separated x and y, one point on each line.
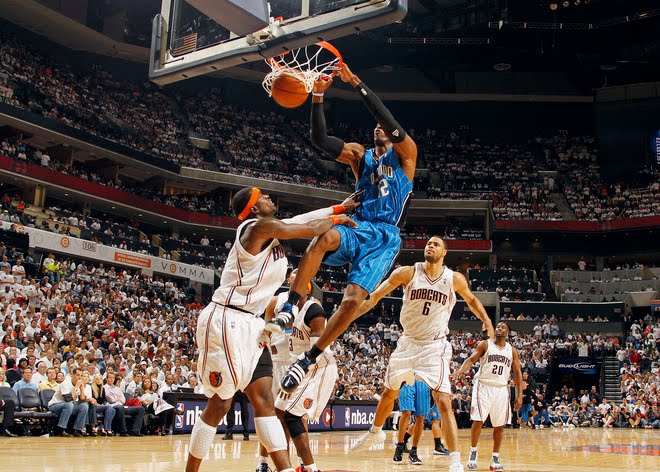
590	43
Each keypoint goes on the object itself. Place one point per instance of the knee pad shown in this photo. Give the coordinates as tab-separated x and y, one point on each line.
201	439
270	433
295	425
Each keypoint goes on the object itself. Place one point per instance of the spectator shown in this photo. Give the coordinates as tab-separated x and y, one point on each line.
69	400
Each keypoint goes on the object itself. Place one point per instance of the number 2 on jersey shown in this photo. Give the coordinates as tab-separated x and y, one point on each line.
498	369
382	184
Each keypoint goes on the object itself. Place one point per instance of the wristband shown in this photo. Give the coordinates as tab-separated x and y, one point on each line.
337	209
335	219
317	94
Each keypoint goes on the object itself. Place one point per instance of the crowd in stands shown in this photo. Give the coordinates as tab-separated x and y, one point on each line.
576	159
128	332
270	146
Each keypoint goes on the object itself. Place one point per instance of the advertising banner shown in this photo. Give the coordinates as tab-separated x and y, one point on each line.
337	416
575	372
45	240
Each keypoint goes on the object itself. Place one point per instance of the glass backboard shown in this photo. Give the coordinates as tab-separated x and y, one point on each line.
186	43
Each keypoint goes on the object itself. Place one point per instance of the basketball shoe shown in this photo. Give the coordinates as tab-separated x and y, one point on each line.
284	319
441	450
263	468
413	458
368	440
456	468
398	454
295	374
472	461
495	465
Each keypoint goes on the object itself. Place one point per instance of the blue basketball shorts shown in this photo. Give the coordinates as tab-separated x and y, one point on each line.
433	414
415	398
371	248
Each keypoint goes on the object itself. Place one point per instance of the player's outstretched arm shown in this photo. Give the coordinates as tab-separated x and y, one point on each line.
461	287
270	228
469	362
518	379
347	206
404	146
346	153
400	276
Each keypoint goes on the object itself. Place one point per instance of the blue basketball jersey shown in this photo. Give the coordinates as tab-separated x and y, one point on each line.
387	189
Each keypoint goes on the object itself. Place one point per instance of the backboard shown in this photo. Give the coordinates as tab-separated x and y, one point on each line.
186	43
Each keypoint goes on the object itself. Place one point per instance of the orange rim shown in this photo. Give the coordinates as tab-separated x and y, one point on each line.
324	44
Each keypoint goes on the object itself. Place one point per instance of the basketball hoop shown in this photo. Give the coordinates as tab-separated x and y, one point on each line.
306	64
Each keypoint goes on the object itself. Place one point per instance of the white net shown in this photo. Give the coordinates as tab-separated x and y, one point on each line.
306	64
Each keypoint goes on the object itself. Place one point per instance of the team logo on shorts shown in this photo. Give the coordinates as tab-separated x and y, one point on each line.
307	403
215	378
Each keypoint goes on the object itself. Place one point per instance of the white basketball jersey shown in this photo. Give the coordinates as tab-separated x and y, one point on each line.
249	281
495	365
279	343
427	304
299	339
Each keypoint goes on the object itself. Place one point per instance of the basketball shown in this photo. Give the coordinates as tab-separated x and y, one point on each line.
289	91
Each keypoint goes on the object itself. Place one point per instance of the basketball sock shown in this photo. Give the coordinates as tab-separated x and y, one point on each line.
311	467
438	443
263	460
201	439
294	298
496	455
313	353
300	461
413	449
406	437
454	457
376	429
400	444
473	449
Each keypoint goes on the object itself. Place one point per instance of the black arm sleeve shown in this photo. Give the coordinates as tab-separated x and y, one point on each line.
331	145
392	129
314	311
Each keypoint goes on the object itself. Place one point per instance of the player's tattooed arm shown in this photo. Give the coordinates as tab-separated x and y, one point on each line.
518	378
400	276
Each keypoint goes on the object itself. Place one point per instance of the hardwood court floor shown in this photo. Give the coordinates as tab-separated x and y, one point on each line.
523	450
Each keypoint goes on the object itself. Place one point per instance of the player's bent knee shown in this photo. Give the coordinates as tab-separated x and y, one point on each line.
295	425
326	242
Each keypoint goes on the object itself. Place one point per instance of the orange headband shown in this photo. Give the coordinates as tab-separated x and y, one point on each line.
253	199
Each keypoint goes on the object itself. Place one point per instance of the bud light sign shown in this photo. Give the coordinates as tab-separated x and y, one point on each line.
578	365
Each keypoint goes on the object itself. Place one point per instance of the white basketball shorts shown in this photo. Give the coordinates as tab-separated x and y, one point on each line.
312	395
488	400
427	361
230	343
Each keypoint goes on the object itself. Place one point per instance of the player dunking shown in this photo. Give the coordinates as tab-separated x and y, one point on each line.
385	173
230	329
423	351
490	392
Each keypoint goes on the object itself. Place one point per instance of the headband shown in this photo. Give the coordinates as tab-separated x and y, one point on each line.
253	199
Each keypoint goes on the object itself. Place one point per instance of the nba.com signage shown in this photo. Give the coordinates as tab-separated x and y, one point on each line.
48	241
337	416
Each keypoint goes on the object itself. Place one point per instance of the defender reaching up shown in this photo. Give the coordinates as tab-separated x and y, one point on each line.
385	175
230	328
